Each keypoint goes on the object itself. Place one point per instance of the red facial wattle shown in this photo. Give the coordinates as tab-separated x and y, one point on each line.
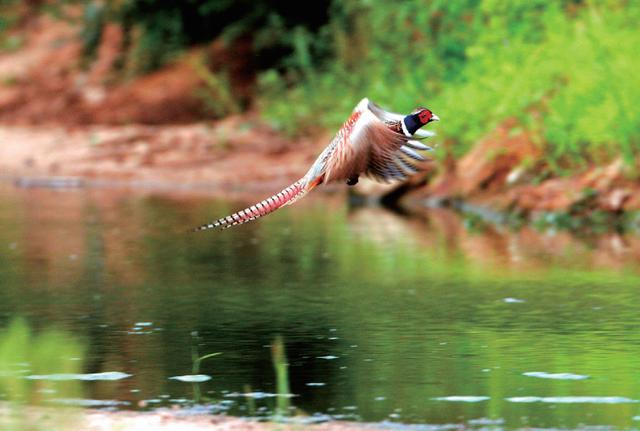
425	116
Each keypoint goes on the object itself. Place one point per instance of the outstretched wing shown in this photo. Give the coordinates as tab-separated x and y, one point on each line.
394	159
377	150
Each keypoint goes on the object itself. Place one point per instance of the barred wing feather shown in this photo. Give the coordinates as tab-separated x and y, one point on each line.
388	155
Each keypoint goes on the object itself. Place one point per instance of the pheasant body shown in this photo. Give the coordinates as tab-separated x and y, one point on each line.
372	141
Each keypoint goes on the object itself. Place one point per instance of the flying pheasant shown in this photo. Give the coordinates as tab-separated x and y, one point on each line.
372	141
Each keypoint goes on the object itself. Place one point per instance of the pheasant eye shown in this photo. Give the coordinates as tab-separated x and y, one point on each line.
425	116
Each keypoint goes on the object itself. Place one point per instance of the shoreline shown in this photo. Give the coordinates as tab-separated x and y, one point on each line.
210	159
182	420
157	420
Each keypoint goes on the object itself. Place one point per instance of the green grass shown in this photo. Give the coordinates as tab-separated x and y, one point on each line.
564	70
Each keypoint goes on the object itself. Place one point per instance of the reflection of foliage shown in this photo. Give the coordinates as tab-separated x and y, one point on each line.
51	352
280	365
424	303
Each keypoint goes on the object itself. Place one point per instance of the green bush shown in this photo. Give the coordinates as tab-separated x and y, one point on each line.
158	30
573	86
564	70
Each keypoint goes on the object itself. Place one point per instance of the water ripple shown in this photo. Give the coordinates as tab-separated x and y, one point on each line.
573	400
108	375
463	398
555	376
192	378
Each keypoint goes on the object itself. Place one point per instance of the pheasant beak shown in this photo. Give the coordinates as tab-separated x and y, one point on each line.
434	117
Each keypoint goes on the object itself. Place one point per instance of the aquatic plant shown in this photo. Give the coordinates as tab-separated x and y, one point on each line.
281	367
196	360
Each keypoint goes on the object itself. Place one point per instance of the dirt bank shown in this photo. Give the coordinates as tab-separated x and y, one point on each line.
63	117
242	154
237	153
507	173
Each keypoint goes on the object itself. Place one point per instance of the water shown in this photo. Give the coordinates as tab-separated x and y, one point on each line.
384	318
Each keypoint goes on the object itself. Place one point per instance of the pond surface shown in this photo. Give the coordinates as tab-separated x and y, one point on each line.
383	317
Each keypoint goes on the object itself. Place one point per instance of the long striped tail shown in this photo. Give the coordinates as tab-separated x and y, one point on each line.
286	197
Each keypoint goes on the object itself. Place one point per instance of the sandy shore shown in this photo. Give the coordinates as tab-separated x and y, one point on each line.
41	418
167	421
196	155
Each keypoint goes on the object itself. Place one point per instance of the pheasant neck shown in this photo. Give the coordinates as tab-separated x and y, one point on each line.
410	124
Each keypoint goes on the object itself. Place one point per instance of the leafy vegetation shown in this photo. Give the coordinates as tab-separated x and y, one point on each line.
564	70
156	31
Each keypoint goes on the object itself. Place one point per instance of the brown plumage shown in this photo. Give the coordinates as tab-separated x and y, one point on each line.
372	142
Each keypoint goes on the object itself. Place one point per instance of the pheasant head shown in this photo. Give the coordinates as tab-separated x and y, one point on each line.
418	118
